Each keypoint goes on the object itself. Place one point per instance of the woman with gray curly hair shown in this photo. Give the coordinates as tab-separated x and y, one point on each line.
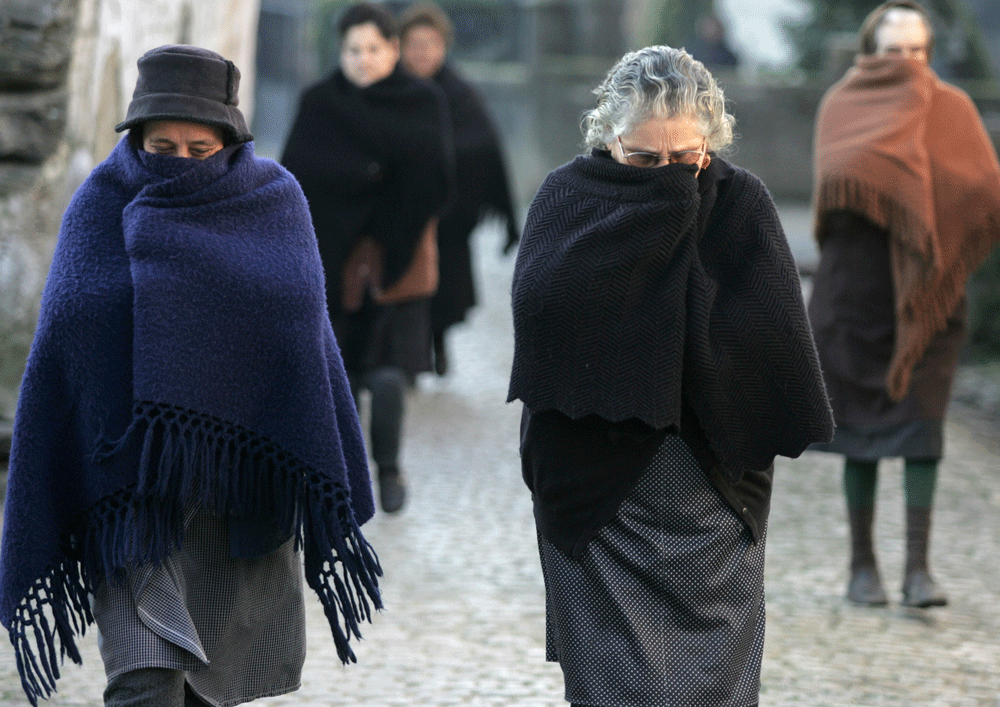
663	357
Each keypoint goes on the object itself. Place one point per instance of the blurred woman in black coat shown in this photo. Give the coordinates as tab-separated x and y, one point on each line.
371	149
481	175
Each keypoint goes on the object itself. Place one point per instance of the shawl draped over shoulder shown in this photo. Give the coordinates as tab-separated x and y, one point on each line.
481	179
634	292
183	356
909	152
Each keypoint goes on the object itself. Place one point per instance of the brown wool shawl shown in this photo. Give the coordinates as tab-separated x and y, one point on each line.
910	153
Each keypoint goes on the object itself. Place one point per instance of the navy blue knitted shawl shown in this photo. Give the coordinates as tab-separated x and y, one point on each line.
183	355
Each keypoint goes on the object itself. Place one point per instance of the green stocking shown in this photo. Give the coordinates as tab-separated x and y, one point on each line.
860	479
919	480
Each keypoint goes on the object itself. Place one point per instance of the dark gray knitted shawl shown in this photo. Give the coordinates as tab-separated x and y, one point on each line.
633	287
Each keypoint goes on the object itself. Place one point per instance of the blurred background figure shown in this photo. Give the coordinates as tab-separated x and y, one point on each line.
710	46
371	147
481	183
907	207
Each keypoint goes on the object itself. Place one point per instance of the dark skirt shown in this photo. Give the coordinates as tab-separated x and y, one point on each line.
666	604
379	336
235	626
852	311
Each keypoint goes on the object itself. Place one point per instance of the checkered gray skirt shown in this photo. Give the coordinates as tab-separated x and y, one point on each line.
236	626
666	605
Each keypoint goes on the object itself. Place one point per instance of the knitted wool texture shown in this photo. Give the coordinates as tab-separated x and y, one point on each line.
899	146
183	356
627	293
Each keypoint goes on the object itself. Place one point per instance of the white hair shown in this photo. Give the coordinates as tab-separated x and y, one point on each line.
654	82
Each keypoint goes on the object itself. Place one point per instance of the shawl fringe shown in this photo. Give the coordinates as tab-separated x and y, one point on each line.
925	297
54	611
842	192
924	312
185	456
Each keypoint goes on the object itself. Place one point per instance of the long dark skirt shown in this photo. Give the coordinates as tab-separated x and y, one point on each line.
852	311
666	605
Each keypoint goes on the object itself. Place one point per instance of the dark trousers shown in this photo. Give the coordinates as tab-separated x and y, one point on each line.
387	386
150	687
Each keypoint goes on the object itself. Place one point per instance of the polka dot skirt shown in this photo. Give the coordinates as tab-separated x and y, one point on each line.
666	606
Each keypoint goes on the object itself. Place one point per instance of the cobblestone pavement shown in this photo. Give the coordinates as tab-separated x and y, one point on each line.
464	621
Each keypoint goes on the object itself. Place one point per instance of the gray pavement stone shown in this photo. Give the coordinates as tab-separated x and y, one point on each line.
464	618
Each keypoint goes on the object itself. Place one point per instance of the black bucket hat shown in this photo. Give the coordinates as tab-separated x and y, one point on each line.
180	82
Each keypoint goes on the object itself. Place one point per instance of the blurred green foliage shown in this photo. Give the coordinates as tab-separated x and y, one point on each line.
324	32
984	309
671	22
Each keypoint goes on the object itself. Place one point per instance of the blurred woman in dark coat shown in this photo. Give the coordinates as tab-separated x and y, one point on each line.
481	184
371	148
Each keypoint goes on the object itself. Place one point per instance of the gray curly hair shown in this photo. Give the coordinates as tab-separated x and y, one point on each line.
658	81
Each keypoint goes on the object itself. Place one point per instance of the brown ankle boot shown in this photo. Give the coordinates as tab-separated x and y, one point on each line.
919	588
865	584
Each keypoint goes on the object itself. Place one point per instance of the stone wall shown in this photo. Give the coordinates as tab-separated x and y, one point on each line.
67	69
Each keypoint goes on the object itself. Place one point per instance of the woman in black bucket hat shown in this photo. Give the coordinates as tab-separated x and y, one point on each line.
185	433
180	82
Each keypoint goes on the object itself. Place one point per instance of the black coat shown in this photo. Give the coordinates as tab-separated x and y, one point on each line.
852	310
481	188
373	161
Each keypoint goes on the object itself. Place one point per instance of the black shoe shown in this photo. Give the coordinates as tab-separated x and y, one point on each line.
920	590
865	587
392	488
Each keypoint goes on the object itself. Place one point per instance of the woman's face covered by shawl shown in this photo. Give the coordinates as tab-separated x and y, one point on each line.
660	141
180	138
903	34
366	56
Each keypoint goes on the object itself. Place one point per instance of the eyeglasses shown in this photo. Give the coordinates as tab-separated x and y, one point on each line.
651	159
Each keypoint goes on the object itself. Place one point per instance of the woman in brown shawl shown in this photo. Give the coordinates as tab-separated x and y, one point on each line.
907	206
